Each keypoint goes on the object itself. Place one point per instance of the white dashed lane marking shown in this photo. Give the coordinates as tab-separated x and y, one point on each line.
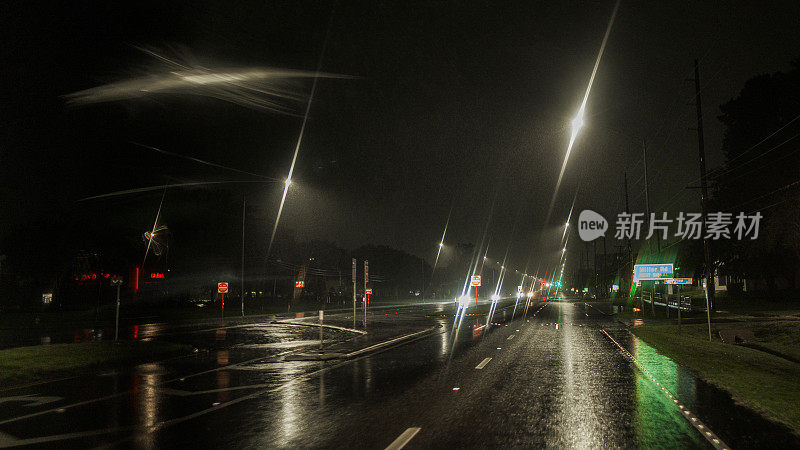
404	438
483	363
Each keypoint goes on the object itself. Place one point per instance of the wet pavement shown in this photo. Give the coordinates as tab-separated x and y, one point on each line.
563	377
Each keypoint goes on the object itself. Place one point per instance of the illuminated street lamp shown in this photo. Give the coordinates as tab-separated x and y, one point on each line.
577	123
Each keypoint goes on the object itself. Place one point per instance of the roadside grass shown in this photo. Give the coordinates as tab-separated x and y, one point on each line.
30	364
763	382
781	336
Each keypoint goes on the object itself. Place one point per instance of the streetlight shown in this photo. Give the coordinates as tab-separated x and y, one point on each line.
577	123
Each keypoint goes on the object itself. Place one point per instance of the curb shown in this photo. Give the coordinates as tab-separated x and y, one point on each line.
366	350
304	324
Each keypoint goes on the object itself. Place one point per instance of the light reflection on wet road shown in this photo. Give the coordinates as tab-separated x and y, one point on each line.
560	382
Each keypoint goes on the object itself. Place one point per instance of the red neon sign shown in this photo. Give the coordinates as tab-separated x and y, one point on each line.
92	276
156	275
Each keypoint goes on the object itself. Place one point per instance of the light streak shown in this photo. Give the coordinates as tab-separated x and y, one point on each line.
202	162
441	243
577	121
288	181
155	224
262	88
164	186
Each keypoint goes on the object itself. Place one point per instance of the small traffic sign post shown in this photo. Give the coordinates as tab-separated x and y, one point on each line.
366	280
354	292
116	281
321	317
679	282
222	288
476	281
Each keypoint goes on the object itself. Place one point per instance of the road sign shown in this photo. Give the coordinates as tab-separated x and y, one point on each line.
300	284
652	271
222	287
116	281
476	280
369	291
519	288
679	281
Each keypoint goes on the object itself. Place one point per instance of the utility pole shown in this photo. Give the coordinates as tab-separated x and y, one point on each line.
630	250
646	187
647	193
595	277
244	206
604	276
703	197
354	292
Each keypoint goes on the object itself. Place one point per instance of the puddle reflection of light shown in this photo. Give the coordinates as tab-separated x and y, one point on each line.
444	338
148	399
583	410
222	334
293	397
149	330
223	381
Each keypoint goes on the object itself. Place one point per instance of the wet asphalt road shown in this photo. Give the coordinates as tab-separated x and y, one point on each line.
556	379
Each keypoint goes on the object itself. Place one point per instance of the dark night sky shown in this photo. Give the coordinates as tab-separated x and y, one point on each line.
462	104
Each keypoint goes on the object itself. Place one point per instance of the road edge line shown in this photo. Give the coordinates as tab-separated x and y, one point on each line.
693	420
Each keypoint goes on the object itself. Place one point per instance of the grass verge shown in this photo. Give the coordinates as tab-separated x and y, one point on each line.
23	365
763	382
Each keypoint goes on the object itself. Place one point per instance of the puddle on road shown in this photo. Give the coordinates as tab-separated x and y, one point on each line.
289	344
737	425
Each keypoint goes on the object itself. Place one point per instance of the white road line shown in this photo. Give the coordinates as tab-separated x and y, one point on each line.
715	441
483	363
511	337
404	438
